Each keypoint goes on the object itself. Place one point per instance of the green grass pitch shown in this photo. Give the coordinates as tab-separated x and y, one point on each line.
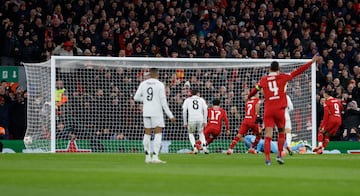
199	175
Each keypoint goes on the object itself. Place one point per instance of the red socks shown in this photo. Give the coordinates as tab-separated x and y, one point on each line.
281	142
267	149
257	139
326	141
234	142
320	137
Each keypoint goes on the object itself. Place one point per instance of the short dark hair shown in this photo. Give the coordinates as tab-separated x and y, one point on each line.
194	91
154	72
216	102
329	92
274	66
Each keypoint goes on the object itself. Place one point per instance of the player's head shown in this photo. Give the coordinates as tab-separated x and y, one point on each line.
327	93
274	66
216	102
195	91
154	72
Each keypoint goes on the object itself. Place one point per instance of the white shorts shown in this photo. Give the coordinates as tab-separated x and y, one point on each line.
195	126
287	121
154	121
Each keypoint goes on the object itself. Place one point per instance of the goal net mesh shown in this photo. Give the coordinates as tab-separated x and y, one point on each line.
95	106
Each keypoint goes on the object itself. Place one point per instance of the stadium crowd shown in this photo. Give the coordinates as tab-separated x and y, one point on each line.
33	31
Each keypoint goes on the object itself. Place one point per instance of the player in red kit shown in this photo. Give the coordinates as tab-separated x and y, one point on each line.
216	115
273	87
250	122
331	121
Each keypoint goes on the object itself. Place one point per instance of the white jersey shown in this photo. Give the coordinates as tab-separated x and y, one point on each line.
194	110
290	106
288	109
151	93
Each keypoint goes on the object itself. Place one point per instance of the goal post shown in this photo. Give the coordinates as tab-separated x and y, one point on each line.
78	103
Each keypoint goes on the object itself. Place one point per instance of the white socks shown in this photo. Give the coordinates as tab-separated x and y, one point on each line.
192	140
320	144
288	139
202	139
157	145
146	143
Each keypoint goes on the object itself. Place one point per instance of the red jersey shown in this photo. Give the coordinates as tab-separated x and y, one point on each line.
274	87
332	111
274	90
215	117
250	110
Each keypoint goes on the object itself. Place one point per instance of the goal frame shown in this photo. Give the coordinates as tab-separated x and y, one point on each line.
213	62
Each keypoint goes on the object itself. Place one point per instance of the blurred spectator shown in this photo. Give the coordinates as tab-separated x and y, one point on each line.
67	49
10	45
18	114
352	135
351	116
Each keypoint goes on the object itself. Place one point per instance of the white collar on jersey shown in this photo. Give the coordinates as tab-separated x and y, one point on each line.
273	73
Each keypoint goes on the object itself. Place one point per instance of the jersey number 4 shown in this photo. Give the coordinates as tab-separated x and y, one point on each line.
273	87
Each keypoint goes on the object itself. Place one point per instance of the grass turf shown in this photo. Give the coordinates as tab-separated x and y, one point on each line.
183	175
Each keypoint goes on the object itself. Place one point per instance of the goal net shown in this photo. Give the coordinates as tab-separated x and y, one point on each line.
82	104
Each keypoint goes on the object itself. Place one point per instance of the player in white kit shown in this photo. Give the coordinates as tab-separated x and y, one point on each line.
151	93
288	127
195	118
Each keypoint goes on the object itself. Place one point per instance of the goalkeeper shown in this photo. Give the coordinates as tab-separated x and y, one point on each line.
250	139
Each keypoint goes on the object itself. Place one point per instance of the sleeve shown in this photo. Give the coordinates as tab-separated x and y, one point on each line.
138	94
289	103
208	111
164	103
254	91
300	70
257	107
205	111
260	146
184	111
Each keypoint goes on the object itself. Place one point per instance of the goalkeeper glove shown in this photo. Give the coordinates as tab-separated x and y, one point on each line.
259	119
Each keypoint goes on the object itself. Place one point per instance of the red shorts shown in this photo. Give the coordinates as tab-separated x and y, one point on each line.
274	117
332	126
211	130
244	128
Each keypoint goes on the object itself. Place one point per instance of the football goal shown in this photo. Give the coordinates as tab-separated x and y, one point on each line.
83	104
